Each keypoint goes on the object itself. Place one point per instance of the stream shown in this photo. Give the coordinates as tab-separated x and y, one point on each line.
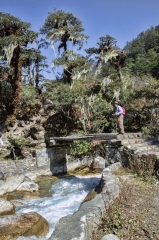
64	197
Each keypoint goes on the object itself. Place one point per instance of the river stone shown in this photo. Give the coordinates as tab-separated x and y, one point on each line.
110	237
11	183
23	224
6	207
30	195
98	163
28	185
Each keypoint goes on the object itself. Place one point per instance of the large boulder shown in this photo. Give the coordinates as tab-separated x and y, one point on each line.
28	185
23	224
6	207
18	182
99	163
11	183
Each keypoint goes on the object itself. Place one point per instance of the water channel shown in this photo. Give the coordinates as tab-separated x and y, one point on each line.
63	197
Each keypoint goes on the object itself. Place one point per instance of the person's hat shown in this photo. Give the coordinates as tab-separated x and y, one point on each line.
116	102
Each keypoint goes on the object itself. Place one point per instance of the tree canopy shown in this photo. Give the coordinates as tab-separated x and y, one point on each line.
107	52
15	35
143	53
63	27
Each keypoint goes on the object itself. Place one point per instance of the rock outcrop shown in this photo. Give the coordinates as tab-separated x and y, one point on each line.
23	224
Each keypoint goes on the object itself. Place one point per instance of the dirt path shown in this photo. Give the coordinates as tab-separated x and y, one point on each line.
135	214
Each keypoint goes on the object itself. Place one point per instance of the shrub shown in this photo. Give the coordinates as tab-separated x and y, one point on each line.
143	166
28	95
16	146
80	148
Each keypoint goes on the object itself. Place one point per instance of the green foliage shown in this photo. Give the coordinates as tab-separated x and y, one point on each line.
146	131
34	63
62	26
96	110
75	66
28	95
15	30
62	95
16	146
141	102
142	58
7	20
6	95
101	114
80	148
18	142
15	36
107	54
149	90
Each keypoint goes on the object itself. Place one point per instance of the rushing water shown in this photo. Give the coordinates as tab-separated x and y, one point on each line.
65	197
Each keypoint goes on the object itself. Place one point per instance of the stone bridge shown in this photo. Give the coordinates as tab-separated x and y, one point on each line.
118	148
53	157
95	136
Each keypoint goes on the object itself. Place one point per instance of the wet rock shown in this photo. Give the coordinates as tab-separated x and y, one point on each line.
29	195
28	185
23	224
6	207
11	183
15	203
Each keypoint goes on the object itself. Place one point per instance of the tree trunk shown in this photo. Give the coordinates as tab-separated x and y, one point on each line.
37	74
16	81
120	74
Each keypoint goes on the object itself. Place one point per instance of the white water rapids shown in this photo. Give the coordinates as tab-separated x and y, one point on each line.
66	195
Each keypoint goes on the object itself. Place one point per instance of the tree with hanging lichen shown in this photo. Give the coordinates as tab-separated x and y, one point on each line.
63	28
75	66
15	35
34	62
107	53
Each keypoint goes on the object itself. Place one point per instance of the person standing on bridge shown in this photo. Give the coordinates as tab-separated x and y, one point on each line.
119	117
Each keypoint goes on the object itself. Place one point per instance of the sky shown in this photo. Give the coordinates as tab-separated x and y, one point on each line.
121	19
